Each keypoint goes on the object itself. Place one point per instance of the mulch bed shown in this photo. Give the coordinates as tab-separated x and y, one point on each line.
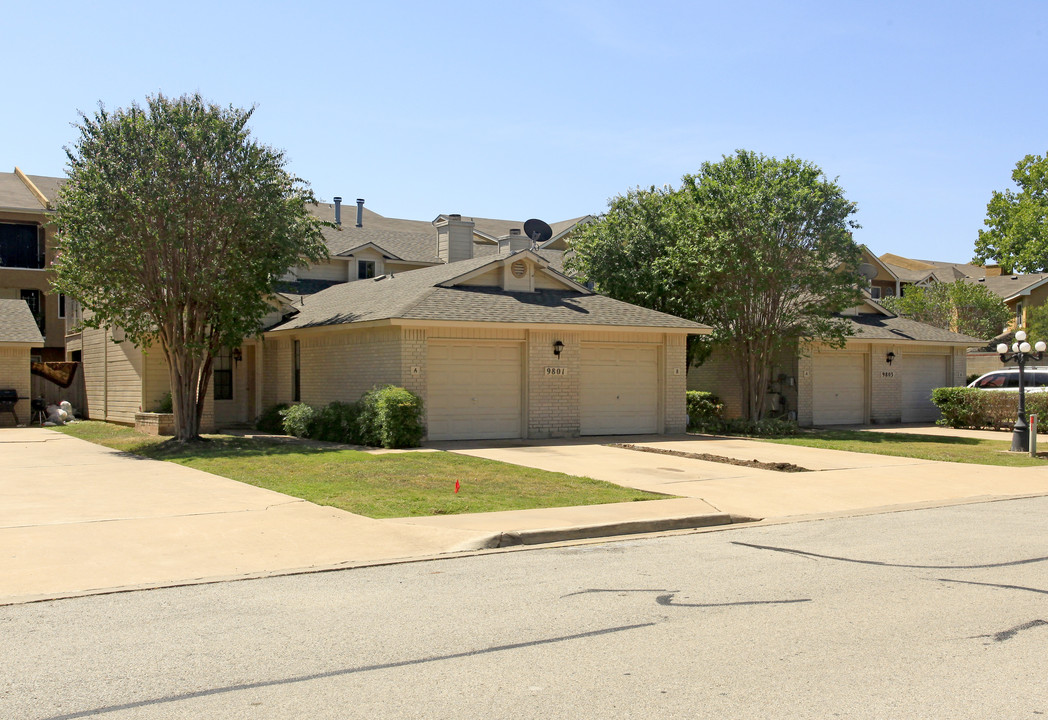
776	466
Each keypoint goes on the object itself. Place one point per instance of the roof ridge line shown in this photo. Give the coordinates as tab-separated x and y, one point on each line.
31	186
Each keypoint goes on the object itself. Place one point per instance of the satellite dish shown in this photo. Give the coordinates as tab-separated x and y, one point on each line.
538	231
868	271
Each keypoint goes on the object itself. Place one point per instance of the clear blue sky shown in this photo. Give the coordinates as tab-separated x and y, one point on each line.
547	109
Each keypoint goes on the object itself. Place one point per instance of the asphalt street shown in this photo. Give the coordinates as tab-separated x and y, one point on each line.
939	613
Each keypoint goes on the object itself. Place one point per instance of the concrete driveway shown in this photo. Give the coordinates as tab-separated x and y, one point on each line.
839	482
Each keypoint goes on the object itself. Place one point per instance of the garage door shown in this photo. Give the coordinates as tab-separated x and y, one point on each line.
920	375
619	389
838	389
473	390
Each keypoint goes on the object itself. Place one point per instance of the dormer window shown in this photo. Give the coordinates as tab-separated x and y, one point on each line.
365	269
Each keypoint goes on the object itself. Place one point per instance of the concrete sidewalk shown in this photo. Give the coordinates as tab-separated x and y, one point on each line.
77	518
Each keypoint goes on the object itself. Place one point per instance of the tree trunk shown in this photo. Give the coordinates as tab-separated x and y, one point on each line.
185	377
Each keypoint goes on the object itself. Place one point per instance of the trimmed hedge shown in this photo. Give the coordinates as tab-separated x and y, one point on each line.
337	422
391	416
386	416
298	420
704	410
975	408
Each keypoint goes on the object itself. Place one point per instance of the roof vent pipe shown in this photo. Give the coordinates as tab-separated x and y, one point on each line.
338	212
360	212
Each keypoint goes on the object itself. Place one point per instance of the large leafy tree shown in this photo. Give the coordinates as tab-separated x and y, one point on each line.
1017	237
757	247
173	225
959	306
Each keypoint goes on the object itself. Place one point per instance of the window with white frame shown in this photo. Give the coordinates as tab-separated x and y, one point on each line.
222	374
365	269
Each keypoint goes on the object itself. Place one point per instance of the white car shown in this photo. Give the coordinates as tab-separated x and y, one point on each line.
1035	379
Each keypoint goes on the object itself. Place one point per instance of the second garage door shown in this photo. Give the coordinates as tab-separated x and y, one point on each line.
839	389
920	375
474	390
619	389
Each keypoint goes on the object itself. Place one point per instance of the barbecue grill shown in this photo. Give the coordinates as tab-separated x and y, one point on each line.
8	400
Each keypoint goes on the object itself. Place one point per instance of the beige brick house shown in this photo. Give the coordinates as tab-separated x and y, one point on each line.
884	374
462	311
500	346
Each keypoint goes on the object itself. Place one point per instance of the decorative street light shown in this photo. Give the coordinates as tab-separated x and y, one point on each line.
1021	354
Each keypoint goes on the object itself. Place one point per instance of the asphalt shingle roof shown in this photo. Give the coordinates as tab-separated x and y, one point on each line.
17	323
416	295
881	327
15	195
410	240
1008	285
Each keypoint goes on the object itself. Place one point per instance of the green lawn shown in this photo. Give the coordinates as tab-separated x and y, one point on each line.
378	486
925	447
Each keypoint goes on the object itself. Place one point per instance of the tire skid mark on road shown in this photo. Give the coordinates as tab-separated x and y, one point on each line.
881	563
1008	634
996	585
181	697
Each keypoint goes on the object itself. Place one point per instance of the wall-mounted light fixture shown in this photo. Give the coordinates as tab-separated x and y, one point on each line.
557	347
237	355
890	357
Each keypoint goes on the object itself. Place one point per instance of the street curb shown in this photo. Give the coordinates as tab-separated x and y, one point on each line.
545	536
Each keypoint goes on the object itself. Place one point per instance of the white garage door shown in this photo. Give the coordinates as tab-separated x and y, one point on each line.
619	389
473	390
838	389
920	375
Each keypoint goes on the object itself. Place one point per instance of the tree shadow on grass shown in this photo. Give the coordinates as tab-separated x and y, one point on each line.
229	448
863	436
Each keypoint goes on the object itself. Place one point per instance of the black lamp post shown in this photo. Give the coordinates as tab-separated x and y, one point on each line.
1021	354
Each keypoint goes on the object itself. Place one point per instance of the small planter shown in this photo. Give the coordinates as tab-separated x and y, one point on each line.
155	423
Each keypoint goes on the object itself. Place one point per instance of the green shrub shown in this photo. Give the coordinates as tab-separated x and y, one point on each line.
298	420
975	408
391	417
972	377
338	422
271	421
166	404
704	410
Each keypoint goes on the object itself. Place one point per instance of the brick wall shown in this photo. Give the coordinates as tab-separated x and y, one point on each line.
886	384
675	411
344	365
553	400
719	375
804	385
14	373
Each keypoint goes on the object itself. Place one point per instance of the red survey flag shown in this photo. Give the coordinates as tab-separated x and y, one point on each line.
457	486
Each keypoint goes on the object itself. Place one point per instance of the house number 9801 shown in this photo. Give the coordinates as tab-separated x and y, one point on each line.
556	371
887	374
